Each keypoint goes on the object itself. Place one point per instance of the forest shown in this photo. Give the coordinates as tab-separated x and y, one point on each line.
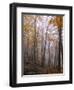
42	40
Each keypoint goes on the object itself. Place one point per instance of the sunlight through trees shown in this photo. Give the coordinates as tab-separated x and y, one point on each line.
42	44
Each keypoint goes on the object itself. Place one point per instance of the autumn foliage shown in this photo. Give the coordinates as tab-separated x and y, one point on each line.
42	44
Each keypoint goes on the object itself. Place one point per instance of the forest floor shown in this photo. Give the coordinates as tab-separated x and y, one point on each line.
30	69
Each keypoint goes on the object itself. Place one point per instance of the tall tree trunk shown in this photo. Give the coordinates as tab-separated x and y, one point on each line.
59	21
60	51
43	61
35	43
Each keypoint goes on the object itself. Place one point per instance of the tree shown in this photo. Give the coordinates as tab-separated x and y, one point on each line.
59	23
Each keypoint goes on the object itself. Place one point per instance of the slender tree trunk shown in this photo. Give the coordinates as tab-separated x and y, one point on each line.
42	51
61	51
43	61
35	42
59	59
49	56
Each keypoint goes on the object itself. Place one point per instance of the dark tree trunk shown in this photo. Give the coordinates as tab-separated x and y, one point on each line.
35	46
60	50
